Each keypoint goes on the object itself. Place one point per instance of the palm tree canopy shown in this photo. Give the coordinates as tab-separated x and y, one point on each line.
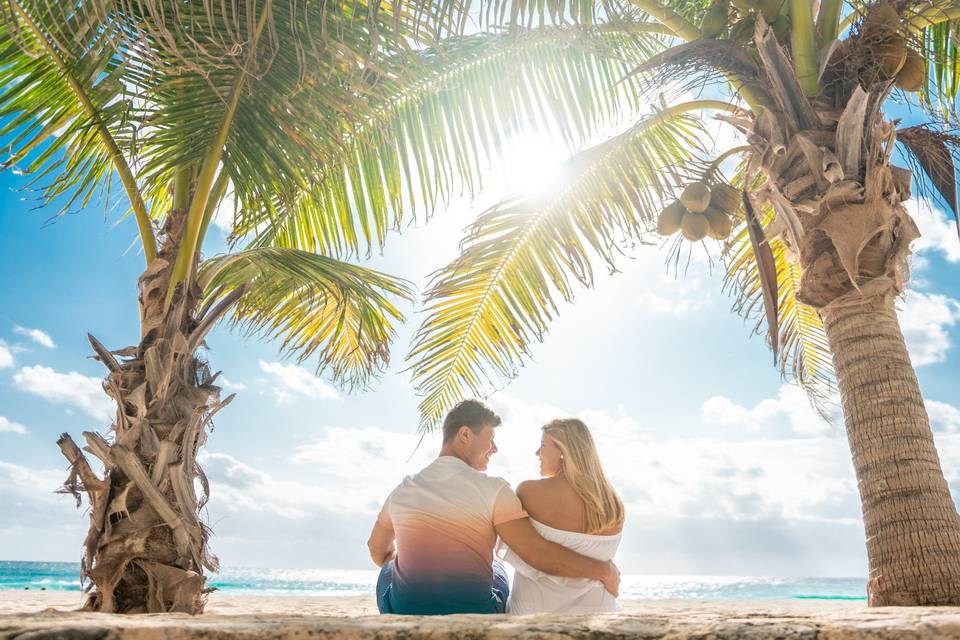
488	306
185	102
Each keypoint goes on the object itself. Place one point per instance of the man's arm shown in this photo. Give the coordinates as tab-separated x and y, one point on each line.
381	544
554	558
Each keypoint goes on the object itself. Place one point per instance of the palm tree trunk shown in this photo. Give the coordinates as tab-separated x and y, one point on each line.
912	527
146	548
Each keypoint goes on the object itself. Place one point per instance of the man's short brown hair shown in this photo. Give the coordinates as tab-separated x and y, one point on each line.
468	413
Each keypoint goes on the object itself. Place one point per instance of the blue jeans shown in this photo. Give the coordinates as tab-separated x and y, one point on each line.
500	588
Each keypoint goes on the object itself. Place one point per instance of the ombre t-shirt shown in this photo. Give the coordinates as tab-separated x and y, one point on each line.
443	519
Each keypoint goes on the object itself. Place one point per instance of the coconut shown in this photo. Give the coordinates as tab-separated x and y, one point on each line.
694	226
696	197
913	73
724	197
720	223
668	222
715	19
882	21
890	55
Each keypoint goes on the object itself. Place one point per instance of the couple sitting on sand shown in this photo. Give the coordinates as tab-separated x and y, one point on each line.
436	534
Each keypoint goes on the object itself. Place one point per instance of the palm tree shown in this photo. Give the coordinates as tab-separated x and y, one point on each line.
815	234
188	103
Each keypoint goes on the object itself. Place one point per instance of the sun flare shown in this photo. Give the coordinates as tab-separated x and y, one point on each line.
533	162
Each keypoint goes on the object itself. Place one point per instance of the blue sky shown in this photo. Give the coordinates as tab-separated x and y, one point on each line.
724	468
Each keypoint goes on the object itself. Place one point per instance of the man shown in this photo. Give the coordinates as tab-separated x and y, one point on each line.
435	535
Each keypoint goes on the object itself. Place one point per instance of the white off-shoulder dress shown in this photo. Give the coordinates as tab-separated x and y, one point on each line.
536	592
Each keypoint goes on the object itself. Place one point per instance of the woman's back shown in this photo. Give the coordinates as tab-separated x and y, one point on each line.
559	515
553	502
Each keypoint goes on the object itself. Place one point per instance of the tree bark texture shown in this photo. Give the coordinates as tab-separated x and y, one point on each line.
146	549
911	523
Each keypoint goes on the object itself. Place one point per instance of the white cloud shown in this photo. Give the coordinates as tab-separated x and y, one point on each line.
675	296
943	417
228	384
789	478
924	319
938	231
40	337
37	522
243	488
6	356
224	213
72	389
290	381
790	404
384	457
282	522
9	426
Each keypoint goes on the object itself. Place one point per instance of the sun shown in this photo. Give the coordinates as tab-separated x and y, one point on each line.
533	161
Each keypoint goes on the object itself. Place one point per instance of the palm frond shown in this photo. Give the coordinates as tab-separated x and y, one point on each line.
803	353
933	151
933	25
313	304
145	86
65	109
488	306
680	16
690	66
431	121
295	79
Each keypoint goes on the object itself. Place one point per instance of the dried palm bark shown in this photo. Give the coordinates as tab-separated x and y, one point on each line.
146	548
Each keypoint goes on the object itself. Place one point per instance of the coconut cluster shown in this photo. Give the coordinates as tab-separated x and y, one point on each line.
883	35
702	211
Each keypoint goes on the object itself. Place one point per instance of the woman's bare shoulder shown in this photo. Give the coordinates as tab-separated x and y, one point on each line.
530	487
544	490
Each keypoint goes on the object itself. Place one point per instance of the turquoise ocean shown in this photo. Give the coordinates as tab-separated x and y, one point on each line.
64	576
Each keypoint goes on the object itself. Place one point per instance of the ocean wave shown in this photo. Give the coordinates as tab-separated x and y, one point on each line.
65	576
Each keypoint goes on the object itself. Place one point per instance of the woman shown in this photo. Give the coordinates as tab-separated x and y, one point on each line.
574	505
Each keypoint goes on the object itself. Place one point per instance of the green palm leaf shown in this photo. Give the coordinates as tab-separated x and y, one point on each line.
313	304
296	76
490	304
933	26
65	108
431	121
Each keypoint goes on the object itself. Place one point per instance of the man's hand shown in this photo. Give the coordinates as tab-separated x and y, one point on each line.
611	579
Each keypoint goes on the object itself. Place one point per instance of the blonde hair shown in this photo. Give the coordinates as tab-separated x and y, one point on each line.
582	469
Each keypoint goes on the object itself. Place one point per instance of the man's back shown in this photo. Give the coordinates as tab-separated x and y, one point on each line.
443	519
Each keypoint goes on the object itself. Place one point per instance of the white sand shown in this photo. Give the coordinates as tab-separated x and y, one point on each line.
18	602
35	601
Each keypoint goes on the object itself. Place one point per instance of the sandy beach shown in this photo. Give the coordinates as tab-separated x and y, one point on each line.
36	614
20	602
26	602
